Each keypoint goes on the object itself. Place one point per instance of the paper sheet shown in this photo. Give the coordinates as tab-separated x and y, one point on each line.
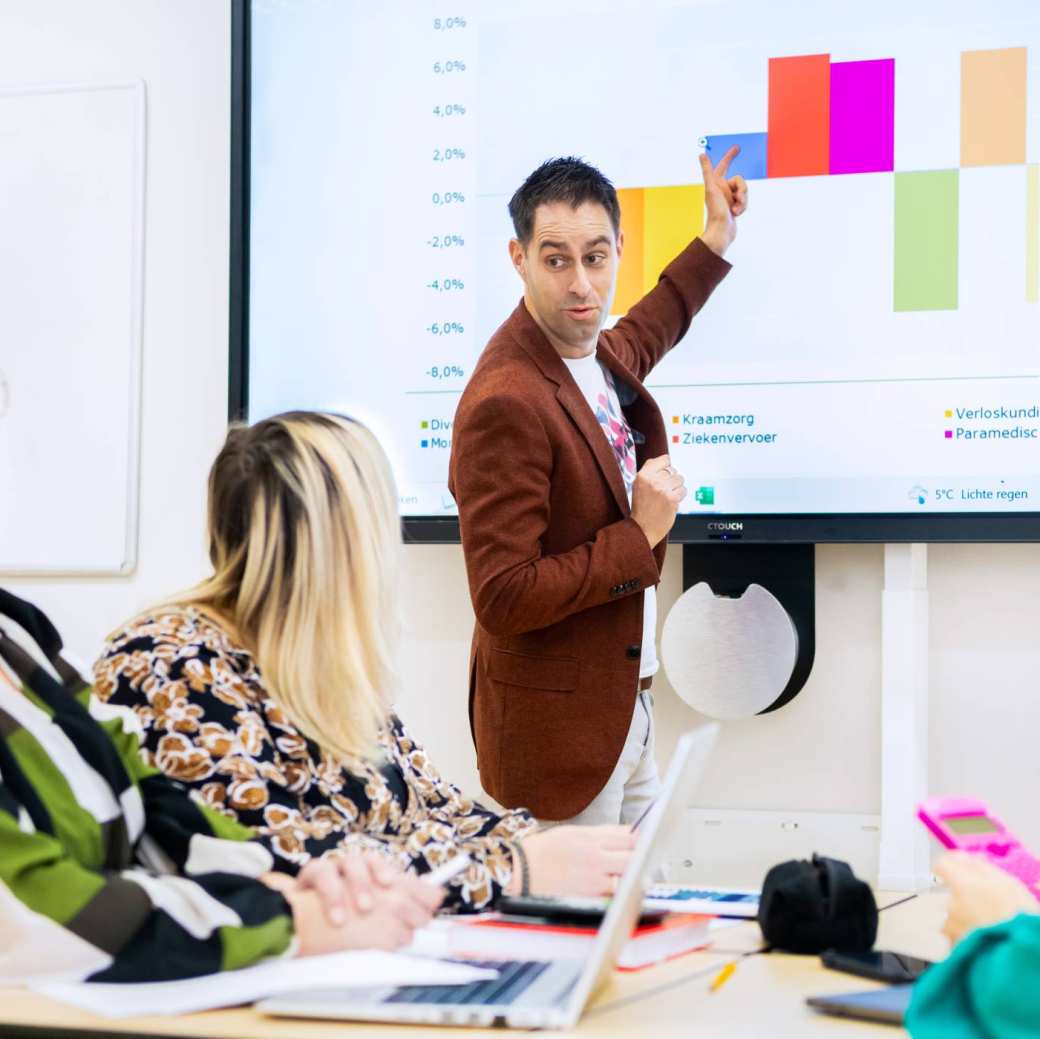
276	977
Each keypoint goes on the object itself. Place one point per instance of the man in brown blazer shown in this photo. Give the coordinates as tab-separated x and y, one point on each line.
560	469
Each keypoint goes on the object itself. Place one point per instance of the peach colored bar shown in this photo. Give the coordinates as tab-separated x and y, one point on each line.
993	107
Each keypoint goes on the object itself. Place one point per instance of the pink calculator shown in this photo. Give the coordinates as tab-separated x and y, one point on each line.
968	825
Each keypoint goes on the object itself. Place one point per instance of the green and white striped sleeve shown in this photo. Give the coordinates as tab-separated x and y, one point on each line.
132	925
81	874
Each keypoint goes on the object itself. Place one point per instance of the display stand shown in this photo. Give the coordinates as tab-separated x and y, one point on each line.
904	859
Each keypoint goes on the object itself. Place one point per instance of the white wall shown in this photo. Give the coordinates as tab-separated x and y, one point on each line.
180	49
820	754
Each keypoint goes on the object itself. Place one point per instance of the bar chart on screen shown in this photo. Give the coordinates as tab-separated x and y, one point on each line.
838	117
876	155
876	347
878	308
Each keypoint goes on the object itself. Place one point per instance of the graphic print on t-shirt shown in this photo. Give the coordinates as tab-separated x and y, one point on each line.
618	432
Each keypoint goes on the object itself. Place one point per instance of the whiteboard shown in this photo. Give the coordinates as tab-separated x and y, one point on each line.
71	260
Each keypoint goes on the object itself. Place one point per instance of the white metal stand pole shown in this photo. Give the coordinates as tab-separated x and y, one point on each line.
904	861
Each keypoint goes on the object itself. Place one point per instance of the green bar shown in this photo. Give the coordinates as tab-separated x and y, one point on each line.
926	240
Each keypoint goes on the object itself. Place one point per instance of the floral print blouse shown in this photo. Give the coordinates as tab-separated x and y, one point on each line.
205	719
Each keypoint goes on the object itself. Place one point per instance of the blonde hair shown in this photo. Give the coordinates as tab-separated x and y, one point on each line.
304	538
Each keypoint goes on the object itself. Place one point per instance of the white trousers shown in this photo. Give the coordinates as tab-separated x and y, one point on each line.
634	783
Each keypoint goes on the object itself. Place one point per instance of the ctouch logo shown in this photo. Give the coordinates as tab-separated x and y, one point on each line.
733	525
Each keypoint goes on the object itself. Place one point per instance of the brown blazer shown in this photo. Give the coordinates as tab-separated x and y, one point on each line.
556	566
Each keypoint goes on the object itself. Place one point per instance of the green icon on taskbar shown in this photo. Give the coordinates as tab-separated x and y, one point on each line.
705	495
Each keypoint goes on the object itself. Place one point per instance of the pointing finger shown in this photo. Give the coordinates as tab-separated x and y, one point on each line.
726	159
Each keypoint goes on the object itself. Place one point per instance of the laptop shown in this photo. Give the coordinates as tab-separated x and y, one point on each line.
528	993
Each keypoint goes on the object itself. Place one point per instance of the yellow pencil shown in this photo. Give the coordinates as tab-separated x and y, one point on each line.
723	976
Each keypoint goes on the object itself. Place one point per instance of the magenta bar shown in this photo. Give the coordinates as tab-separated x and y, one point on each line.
863	116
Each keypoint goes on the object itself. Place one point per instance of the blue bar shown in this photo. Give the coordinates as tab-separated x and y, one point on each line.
750	163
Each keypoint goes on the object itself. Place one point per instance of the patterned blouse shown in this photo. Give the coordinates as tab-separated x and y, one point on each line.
207	721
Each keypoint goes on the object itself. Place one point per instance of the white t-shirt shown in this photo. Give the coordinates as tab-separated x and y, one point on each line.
597	386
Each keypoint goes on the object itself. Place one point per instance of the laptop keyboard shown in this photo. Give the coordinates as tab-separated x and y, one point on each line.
514	976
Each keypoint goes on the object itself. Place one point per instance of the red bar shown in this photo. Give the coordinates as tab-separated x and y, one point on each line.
799	116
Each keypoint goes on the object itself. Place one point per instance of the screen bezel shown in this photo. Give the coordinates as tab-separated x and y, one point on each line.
787	528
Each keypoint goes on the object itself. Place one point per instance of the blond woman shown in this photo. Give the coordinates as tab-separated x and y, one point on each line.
267	688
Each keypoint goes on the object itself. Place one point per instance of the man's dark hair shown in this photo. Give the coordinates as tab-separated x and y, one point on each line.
569	180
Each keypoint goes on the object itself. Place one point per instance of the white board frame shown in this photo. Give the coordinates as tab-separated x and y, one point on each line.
128	565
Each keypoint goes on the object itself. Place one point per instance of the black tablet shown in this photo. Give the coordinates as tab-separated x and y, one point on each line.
886	1005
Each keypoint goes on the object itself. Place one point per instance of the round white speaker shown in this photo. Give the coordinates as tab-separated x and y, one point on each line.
728	658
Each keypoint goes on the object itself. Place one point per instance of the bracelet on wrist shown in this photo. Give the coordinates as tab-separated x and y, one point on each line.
520	859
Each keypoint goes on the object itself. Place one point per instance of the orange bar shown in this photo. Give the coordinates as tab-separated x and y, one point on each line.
798	142
993	107
630	273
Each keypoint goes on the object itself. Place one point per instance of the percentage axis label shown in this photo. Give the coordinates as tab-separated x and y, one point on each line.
455	21
447	371
449	110
446	328
446	241
446	68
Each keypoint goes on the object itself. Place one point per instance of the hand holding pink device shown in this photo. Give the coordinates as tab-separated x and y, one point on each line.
965	824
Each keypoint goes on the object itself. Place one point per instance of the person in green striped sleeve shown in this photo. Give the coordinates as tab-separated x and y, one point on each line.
109	871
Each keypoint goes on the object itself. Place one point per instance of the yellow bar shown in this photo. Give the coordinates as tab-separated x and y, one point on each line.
674	216
630	271
993	107
1033	234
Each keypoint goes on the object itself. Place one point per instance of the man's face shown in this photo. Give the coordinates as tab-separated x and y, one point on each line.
569	268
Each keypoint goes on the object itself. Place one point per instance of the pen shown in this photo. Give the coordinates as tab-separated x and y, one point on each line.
643	814
452	868
723	976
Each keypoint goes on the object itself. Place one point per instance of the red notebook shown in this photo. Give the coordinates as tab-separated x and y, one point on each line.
495	938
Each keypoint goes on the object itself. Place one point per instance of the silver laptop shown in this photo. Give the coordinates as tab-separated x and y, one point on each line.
527	993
